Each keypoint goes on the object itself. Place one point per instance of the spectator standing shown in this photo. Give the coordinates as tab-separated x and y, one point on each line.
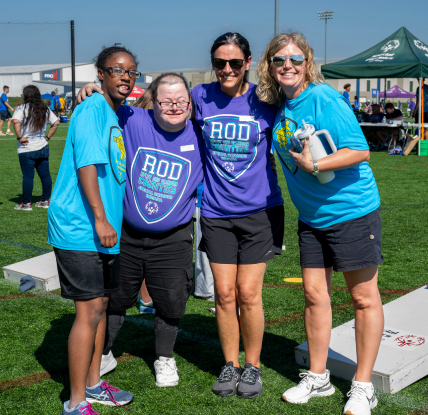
347	88
62	104
4	111
400	105
55	105
425	108
30	123
356	103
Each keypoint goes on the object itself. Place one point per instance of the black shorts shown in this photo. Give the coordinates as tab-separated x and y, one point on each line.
84	275
164	261
345	246
5	115
248	240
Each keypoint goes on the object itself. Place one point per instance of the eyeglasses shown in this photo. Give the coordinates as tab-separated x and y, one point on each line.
120	72
295	60
167	105
235	64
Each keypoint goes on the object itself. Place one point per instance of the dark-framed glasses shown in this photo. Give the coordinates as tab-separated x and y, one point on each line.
235	64
295	60
116	71
167	105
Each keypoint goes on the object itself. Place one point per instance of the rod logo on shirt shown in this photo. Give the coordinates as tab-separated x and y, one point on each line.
282	143
230	139
117	155
158	181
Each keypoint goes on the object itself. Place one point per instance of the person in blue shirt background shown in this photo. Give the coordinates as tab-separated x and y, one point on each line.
4	111
339	224
356	103
347	88
55	104
399	105
85	220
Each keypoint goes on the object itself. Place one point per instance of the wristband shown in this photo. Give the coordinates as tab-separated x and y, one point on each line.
47	138
18	138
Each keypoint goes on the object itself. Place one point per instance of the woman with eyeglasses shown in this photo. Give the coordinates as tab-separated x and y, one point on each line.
339	222
242	215
85	218
164	153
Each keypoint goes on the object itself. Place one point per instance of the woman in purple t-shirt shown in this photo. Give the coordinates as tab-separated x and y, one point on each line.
242	214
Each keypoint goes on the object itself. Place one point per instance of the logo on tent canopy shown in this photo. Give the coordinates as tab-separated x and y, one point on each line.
421	46
387	47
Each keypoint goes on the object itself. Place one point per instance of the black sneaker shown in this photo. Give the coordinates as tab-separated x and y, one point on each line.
227	381
250	385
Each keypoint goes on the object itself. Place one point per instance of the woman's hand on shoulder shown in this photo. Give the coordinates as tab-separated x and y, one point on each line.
303	160
87	90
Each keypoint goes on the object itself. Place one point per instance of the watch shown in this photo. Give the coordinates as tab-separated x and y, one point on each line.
316	171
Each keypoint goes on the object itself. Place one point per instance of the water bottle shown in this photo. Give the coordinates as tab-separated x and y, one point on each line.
316	147
384	120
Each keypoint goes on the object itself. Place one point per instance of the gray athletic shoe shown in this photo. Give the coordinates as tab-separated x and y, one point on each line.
250	385
227	381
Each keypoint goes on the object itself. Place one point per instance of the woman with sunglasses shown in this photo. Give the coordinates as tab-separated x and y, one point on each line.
164	168
242	215
339	222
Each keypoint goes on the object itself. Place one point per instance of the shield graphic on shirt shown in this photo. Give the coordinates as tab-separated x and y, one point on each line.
117	154
159	180
230	139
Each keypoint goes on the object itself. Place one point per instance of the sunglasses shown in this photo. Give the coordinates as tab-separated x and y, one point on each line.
295	60
235	64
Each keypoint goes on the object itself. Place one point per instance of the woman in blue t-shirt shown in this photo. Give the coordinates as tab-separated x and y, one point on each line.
339	221
242	208
347	88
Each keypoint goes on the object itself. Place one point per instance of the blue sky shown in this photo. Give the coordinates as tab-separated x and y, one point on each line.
167	34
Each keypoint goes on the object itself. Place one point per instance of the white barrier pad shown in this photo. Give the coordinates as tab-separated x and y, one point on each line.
42	268
403	353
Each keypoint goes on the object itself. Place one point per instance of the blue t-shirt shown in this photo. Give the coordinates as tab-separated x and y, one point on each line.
239	180
346	95
163	171
353	192
94	138
356	105
2	103
54	102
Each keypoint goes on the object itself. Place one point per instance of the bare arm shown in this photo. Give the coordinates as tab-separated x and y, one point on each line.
7	105
52	130
88	177
87	90
345	158
17	127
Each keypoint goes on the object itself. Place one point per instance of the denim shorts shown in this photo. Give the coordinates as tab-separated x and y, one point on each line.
345	246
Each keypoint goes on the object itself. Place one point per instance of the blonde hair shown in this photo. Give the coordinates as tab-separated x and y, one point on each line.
268	89
145	101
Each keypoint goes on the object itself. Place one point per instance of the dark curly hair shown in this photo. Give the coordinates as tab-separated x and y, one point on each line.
37	111
100	60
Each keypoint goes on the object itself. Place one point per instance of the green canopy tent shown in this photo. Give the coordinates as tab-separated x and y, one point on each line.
400	55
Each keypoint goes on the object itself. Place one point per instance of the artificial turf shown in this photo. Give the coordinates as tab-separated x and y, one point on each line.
34	329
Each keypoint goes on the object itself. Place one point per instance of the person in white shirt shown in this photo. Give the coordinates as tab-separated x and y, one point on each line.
30	122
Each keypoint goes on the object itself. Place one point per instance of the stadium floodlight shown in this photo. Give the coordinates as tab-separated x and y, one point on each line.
325	15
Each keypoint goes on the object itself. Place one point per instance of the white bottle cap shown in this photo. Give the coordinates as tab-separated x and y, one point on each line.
306	131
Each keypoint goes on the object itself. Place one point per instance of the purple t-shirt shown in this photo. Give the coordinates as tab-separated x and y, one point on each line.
163	171
239	179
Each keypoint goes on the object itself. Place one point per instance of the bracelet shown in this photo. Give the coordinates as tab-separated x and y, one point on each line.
47	138
18	138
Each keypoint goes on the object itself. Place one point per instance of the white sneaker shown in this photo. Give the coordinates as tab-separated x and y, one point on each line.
361	399
166	372
108	363
311	386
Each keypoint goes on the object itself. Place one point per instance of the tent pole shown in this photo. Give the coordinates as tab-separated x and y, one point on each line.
420	116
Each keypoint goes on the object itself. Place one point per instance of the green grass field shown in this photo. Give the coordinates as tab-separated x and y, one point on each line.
34	327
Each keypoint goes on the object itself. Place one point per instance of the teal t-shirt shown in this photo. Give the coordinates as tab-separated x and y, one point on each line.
94	138
353	192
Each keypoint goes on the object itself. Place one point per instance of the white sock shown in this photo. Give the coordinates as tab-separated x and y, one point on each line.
95	386
362	384
8	130
324	375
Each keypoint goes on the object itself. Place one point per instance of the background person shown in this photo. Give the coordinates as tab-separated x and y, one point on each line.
30	122
392	114
415	109
62	104
165	165
375	117
85	219
339	222
347	88
55	105
242	213
356	105
4	111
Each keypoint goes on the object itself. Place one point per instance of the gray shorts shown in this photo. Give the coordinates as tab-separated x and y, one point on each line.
84	275
345	246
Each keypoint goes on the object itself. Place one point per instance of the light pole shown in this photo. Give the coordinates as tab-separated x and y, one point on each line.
325	15
276	17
